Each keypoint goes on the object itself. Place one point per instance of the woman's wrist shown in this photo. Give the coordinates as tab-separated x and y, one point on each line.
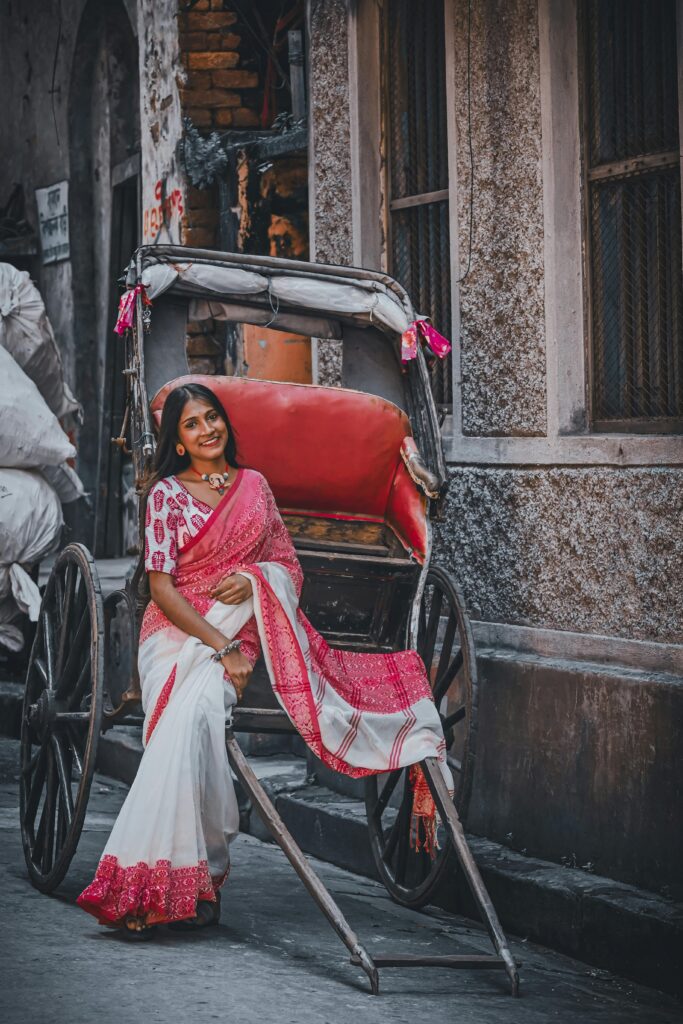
232	645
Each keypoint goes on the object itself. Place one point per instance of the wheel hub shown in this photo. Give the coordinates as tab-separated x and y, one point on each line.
42	714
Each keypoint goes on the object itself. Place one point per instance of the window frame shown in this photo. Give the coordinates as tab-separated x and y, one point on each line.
412	202
614	171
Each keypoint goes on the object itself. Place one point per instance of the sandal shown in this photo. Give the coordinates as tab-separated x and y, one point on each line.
208	914
135	931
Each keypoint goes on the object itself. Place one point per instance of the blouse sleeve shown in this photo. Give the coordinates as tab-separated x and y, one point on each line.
161	543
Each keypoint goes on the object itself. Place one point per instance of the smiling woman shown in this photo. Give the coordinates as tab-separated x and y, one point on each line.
225	580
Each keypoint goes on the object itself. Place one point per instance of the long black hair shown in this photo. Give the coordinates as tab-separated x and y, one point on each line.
167	462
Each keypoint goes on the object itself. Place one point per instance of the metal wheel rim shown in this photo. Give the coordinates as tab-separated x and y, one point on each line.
72	564
419	894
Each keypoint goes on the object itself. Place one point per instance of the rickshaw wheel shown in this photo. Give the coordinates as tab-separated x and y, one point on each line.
445	643
61	717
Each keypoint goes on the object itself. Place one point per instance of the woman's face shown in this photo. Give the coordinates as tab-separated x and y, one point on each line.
202	431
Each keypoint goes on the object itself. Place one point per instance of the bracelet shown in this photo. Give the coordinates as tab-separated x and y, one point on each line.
234	645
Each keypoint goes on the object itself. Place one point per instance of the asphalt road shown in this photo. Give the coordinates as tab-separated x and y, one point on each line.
272	958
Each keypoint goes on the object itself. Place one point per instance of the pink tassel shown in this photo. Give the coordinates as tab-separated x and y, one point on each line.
439	345
409	343
124	320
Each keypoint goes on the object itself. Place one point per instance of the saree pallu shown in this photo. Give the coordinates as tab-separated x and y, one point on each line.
359	713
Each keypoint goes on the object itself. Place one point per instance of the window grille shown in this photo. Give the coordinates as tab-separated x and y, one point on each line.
417	151
633	201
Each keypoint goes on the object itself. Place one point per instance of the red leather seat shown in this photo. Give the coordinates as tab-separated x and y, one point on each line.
323	450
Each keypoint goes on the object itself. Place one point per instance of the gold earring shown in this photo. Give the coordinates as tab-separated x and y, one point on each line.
180	449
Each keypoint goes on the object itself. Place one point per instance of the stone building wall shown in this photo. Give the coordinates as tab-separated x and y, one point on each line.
502	299
585	549
330	153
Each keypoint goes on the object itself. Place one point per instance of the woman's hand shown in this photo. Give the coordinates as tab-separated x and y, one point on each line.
232	590
239	669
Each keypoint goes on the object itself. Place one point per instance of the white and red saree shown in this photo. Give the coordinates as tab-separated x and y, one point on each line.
359	713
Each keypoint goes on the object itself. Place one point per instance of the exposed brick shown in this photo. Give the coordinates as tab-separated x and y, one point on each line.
200	364
205	21
211	98
203	345
202	217
222	41
243	117
198	80
194	41
234	79
200	198
209	61
199	238
199	117
222	118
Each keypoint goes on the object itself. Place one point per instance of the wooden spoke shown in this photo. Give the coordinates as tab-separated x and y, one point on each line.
67	611
35	788
49	645
453	719
45	839
67	659
79	689
28	768
432	629
445	657
445	644
77	753
403	839
385	795
39	665
444	681
64	777
81	635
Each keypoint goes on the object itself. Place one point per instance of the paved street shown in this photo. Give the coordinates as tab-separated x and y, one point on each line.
273	956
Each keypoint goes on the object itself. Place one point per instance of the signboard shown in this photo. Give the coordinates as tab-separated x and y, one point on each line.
53	218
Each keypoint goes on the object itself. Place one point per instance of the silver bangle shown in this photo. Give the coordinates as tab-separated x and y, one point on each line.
234	645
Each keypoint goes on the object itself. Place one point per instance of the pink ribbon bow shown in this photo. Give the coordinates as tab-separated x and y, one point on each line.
124	320
439	345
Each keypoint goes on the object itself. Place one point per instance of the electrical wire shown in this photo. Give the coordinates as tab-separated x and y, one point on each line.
54	74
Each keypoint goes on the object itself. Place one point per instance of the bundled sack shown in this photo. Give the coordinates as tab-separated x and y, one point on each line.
30	528
26	333
30	434
11	635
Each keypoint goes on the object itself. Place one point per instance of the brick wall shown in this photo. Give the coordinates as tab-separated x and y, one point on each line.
218	93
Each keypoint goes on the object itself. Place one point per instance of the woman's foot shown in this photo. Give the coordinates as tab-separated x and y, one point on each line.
136	930
208	914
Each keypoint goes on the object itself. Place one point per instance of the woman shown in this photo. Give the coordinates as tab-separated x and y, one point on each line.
225	581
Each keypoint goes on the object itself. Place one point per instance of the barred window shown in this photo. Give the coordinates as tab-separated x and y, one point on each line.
417	157
633	209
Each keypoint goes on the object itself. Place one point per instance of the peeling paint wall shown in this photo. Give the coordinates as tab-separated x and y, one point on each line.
161	76
501	301
330	156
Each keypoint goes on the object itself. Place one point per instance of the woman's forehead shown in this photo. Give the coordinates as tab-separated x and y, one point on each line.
195	407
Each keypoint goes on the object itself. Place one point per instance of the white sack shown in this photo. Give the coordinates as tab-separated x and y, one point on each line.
26	333
30	528
65	481
30	435
11	636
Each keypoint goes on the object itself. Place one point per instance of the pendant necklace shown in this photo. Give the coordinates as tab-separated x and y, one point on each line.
216	481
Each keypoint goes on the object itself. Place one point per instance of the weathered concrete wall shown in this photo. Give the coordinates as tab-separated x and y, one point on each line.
581	765
34	134
595	550
161	76
330	153
501	301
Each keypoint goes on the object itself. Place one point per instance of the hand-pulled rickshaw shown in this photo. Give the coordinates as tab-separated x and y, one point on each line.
356	472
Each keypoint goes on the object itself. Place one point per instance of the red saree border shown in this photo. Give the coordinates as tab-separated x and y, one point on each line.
210	521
